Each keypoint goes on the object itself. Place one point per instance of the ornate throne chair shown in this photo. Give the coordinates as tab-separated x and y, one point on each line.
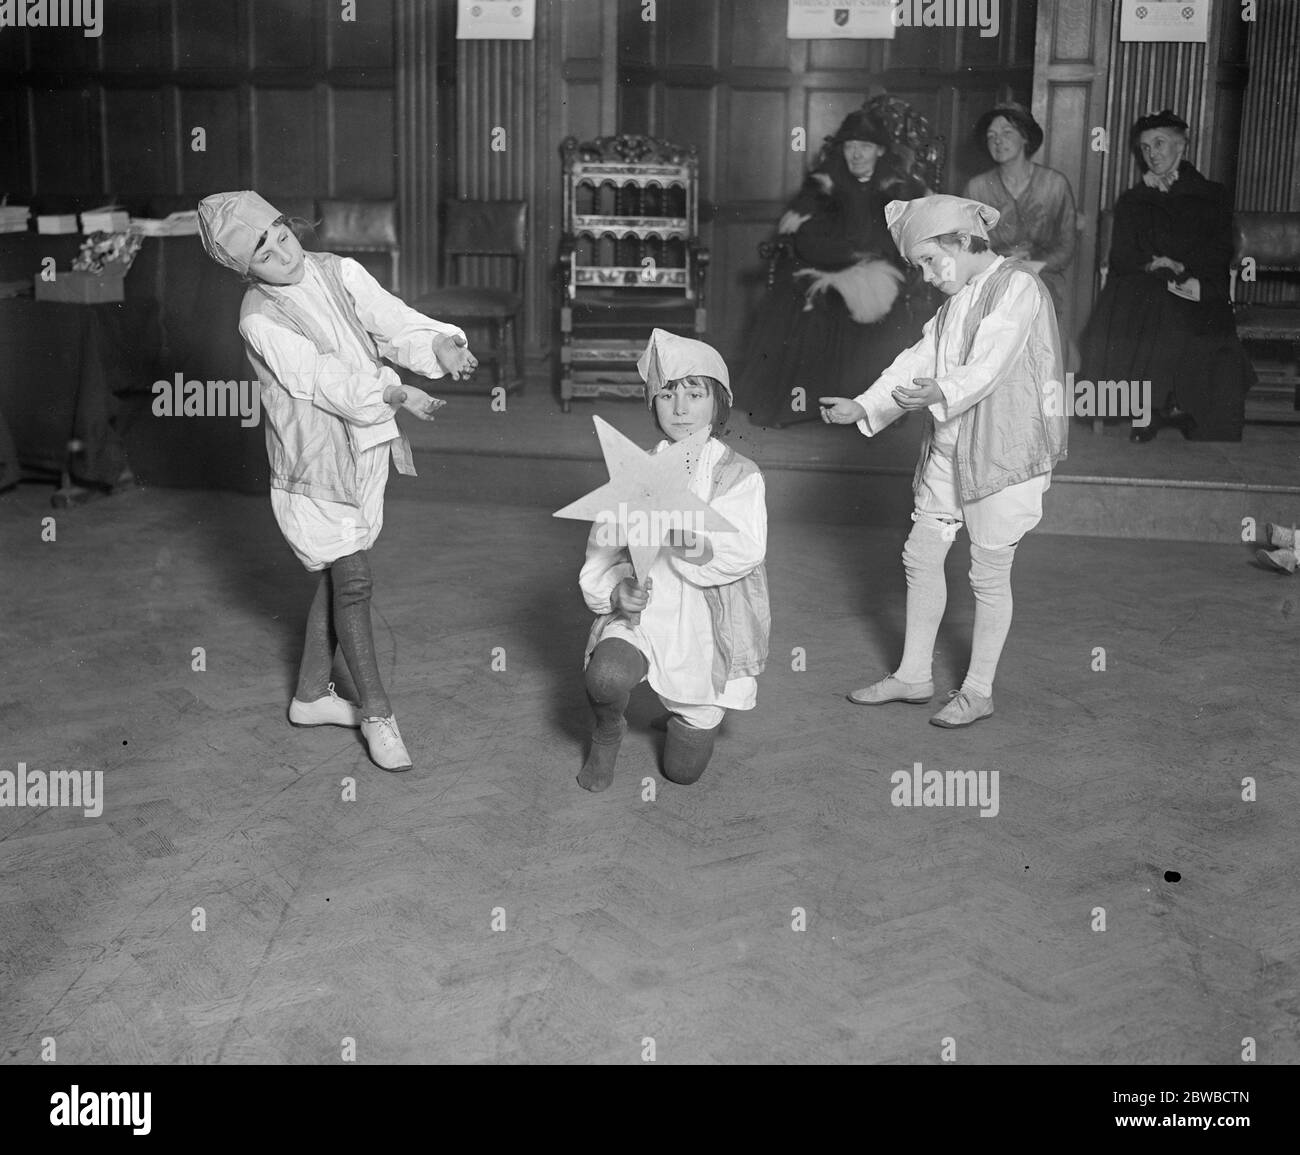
630	258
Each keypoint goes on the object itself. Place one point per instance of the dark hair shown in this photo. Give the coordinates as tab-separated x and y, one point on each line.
1016	116
953	241
721	406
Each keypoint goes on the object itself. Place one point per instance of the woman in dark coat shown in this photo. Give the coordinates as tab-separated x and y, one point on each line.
1164	315
842	306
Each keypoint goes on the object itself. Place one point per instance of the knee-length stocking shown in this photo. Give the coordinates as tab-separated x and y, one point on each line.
927	596
352	586
990	579
317	663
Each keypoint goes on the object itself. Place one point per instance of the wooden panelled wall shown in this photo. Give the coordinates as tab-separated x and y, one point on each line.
722	75
1268	171
299	103
295	102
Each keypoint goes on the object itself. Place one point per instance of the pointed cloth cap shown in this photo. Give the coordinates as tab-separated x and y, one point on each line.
231	224
669	357
911	222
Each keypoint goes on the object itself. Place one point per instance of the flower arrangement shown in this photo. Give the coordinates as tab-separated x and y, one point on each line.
107	252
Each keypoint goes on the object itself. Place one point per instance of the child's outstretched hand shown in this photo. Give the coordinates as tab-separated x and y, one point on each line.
418	403
923	391
629	598
840	410
454	356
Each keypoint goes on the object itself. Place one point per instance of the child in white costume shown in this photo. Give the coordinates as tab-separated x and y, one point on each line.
316	328
988	372
698	629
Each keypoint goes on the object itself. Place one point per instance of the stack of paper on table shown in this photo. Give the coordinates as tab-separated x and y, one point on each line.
105	219
56	224
183	224
13	218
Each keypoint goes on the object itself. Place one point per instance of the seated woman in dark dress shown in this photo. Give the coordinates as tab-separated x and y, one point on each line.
842	306
1164	316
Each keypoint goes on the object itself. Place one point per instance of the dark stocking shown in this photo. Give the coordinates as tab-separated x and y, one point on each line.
616	667
318	646
687	751
352	585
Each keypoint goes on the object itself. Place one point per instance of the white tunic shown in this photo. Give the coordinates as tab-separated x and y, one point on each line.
346	384
675	632
1002	518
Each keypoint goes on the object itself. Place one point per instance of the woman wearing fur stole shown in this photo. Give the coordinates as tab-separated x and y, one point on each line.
842	307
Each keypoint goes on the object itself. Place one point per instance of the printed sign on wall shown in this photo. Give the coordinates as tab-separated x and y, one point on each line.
1186	20
496	19
840	20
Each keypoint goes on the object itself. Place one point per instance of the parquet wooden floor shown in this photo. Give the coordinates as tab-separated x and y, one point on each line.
627	919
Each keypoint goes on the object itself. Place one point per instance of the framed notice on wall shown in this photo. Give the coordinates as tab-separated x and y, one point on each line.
840	20
495	19
1164	20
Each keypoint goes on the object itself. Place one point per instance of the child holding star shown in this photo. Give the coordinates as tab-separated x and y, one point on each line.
697	630
987	371
317	328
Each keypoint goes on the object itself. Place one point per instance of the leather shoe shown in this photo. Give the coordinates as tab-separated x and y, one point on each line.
330	710
890	689
1283	560
384	740
963	708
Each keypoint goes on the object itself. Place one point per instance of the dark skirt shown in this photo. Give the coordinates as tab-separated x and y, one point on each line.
821	350
1188	350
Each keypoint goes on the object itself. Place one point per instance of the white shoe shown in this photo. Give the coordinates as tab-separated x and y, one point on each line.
387	751
890	689
963	708
328	711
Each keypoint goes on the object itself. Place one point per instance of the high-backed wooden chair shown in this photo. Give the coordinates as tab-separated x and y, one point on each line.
630	259
1272	242
361	227
491	229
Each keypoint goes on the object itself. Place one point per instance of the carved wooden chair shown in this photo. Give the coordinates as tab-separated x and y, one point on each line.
630	259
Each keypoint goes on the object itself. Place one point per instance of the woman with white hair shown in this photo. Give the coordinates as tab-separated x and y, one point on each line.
1164	315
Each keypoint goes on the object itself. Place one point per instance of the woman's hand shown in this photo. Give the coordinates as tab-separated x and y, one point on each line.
454	356
1035	266
628	597
1175	267
792	222
819	283
923	391
840	410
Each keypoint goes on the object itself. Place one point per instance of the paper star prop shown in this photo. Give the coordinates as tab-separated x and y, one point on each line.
647	495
